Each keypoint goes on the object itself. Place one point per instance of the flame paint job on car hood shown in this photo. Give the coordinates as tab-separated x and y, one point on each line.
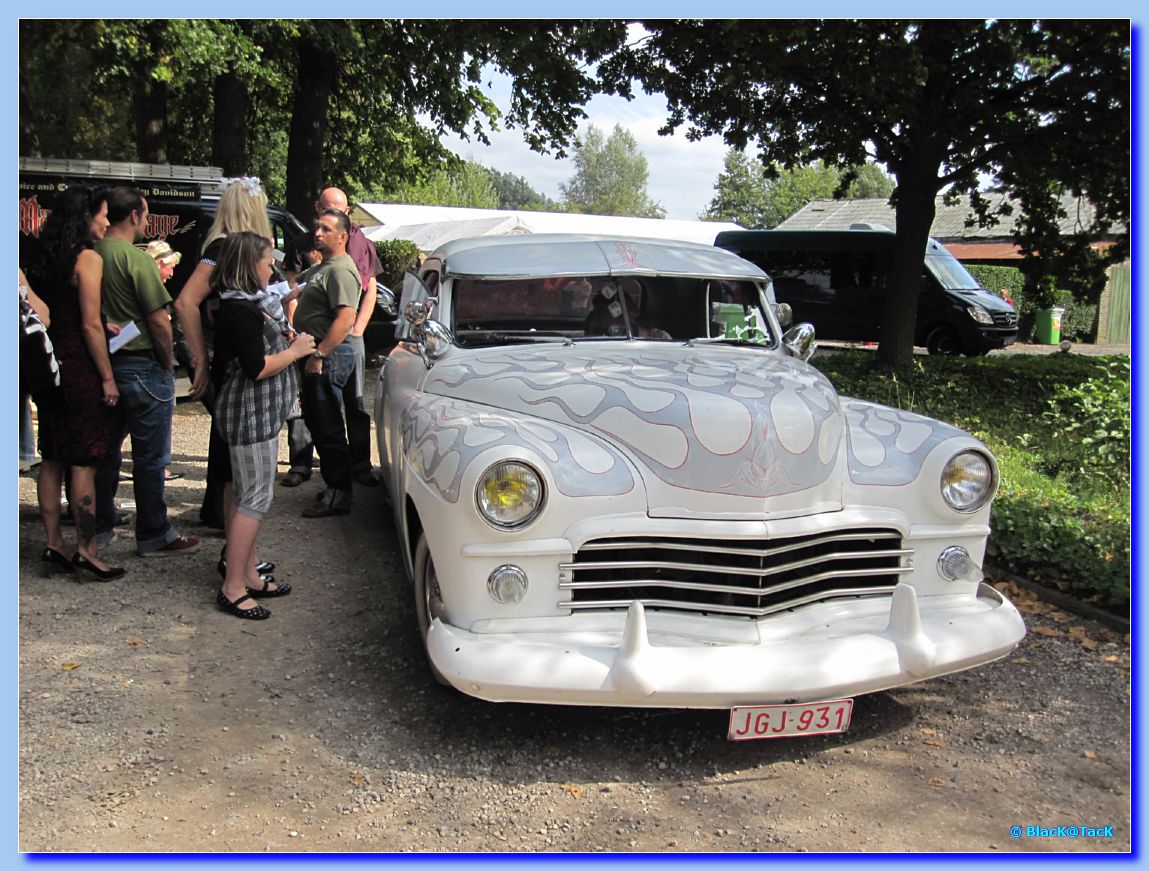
712	429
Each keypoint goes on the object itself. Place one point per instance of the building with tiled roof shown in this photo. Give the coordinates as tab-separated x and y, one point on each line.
971	244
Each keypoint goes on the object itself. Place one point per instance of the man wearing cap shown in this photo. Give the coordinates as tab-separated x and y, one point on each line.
362	253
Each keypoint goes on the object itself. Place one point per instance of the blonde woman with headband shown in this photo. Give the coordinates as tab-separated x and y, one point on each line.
242	209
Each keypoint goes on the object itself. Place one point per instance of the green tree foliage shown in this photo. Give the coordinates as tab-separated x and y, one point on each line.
610	177
301	103
466	184
515	192
759	199
1042	106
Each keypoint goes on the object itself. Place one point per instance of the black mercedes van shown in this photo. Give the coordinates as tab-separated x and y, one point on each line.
837	280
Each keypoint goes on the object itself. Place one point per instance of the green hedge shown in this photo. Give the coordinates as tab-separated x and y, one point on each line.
396	256
1078	323
1059	426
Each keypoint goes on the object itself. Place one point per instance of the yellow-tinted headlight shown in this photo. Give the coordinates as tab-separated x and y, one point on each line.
509	494
969	481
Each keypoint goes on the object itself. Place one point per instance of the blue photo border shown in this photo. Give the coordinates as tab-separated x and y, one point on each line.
10	856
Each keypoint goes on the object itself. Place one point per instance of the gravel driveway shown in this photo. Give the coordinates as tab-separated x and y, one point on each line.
149	720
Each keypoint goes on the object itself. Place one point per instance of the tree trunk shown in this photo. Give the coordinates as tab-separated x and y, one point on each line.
914	215
229	124
150	108
316	80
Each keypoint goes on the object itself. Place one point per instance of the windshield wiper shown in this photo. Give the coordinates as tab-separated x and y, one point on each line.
491	337
715	340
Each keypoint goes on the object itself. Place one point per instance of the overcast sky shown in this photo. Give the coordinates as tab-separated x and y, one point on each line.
682	173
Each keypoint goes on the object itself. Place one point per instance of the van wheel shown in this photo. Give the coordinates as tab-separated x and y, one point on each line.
428	597
943	342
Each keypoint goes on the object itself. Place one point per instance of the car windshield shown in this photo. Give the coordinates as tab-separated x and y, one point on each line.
950	273
655	308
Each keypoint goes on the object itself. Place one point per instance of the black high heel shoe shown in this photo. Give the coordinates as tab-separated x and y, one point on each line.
54	561
109	574
263	566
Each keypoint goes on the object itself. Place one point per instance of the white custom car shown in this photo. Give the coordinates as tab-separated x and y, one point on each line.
616	482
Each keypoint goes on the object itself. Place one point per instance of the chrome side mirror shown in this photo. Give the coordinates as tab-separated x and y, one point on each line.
385	301
436	339
799	341
783	313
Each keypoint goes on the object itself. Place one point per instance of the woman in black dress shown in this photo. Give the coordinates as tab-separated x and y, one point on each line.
74	418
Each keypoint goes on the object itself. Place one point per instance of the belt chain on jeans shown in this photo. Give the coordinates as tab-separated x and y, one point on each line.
152	395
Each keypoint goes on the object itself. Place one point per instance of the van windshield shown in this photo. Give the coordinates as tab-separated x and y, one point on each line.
950	273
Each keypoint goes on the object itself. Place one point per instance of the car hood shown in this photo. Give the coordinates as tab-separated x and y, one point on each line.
712	430
991	302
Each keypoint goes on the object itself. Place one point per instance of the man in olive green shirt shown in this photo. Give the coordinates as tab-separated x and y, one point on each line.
134	294
328	301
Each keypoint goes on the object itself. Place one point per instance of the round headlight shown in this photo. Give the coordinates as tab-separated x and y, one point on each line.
509	494
968	481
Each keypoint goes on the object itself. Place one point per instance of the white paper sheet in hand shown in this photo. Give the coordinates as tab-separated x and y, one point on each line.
127	332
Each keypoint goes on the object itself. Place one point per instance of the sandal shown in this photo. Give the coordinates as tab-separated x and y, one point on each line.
256	613
282	588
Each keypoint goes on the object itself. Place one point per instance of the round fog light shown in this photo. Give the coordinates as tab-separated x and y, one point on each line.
507	585
955	564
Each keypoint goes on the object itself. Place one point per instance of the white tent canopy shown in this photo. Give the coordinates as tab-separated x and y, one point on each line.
432	226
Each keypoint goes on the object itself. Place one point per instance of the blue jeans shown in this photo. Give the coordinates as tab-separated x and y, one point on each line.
358	421
323	398
147	397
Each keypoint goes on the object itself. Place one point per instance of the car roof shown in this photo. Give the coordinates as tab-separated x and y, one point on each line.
561	254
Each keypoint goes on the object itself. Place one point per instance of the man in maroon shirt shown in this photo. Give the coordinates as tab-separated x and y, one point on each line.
362	251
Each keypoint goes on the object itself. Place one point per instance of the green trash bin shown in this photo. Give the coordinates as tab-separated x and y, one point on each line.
1047	329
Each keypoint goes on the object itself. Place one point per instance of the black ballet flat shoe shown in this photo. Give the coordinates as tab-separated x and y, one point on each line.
54	561
282	588
256	613
110	574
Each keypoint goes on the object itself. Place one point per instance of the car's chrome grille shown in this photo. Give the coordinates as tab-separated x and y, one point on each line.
1005	319
721	576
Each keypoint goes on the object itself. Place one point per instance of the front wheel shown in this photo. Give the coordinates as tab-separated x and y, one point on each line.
428	598
943	342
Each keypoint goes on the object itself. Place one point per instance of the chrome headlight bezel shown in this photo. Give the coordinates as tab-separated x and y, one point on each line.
968	481
536	493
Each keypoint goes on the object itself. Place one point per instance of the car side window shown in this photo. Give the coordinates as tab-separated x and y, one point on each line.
852	272
800	275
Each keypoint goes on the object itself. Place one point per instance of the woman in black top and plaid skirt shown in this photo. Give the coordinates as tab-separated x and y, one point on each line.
254	353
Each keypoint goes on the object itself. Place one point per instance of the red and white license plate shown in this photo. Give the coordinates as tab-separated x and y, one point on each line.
749	722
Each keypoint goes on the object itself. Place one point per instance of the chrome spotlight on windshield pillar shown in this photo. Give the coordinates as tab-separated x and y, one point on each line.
799	341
